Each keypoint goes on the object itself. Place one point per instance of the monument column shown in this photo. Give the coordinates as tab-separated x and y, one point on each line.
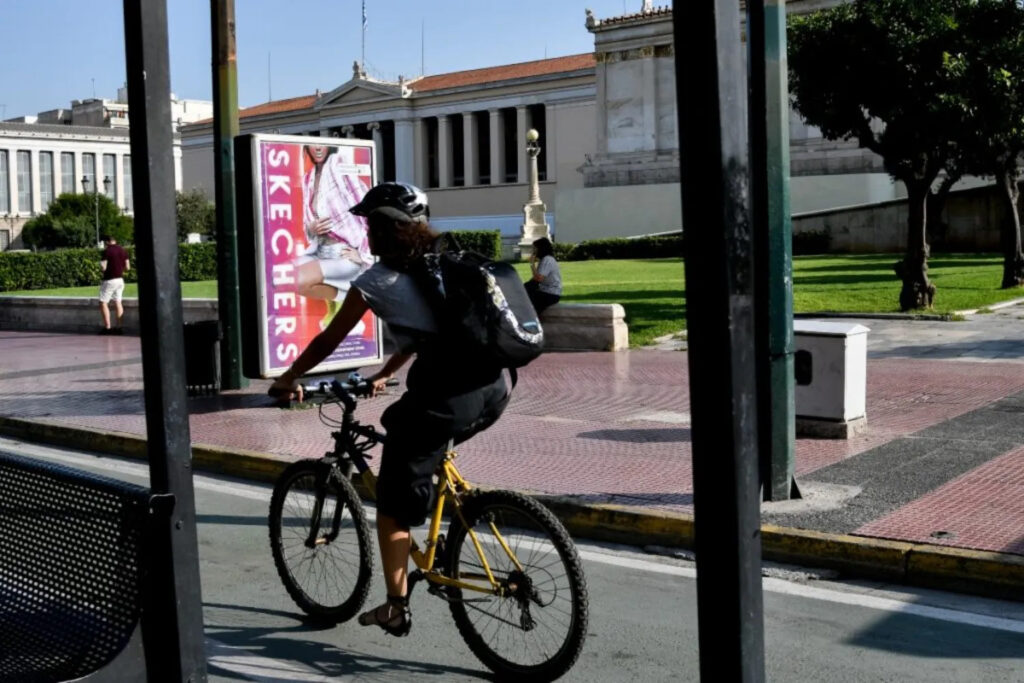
534	220
422	154
378	140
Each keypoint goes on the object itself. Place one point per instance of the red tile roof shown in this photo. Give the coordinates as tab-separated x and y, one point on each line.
541	67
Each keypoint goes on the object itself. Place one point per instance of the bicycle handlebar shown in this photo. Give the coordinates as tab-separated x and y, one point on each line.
356	386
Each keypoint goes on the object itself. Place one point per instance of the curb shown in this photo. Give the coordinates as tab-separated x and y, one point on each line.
992	574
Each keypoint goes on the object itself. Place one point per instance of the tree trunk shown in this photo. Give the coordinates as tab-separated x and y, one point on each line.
1013	258
936	205
917	291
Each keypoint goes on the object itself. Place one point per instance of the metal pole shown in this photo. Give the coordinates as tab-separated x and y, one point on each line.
773	245
225	128
710	87
173	631
96	208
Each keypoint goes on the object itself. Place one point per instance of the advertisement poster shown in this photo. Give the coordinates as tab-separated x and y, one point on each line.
308	247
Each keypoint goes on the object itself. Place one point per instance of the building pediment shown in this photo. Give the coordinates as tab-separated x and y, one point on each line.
360	91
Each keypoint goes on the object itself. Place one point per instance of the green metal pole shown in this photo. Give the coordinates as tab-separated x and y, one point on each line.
225	128
769	120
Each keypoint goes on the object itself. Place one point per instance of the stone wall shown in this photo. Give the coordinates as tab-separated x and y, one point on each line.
971	222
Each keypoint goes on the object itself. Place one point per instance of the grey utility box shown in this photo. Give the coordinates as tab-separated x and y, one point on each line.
831	378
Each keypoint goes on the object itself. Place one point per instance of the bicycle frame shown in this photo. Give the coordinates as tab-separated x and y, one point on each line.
450	487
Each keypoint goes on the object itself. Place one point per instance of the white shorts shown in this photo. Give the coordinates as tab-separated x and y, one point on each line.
111	289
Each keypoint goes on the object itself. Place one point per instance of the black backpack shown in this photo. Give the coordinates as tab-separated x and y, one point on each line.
481	305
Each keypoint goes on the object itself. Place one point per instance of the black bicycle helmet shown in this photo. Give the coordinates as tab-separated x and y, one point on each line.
400	201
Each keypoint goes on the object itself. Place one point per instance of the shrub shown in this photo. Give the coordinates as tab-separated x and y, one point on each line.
811	242
81	267
486	242
194	213
662	246
70	221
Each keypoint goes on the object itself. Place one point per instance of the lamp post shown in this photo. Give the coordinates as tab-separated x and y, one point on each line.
96	200
534	211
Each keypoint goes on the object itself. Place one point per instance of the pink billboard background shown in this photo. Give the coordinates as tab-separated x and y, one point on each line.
312	248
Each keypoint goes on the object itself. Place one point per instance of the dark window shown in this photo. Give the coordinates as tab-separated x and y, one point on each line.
432	171
537	117
508	119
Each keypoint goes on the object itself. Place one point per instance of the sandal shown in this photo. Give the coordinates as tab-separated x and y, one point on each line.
393	616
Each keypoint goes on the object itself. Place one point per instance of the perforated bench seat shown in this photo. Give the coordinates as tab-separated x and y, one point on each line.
71	572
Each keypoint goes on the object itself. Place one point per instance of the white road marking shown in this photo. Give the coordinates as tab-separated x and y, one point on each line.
774	585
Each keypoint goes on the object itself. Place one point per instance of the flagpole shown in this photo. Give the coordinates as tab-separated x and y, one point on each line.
363	62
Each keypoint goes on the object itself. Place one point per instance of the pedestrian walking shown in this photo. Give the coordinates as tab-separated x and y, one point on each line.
114	263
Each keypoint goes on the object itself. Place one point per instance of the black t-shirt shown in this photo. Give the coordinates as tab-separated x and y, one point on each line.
116	258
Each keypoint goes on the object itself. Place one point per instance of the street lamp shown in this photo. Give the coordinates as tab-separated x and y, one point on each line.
96	199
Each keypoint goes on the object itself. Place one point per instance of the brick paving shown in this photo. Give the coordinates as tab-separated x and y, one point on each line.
606	427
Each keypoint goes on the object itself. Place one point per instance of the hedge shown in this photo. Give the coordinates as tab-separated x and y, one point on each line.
81	267
486	242
662	246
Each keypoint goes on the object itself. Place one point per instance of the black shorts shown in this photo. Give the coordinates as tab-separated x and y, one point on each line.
419	427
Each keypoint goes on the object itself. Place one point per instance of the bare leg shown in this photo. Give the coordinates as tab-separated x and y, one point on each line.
119	309
105	312
395	544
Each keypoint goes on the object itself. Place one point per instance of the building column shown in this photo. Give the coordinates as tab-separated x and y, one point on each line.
470	153
522	114
405	152
12	180
177	167
497	148
34	185
550	124
422	142
601	76
119	184
378	144
444	151
79	172
348	131
649	76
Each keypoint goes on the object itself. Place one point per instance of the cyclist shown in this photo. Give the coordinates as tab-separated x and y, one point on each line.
446	399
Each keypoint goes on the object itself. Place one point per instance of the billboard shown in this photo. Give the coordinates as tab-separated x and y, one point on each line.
300	248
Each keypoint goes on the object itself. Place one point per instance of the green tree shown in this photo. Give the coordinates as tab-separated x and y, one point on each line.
70	221
876	71
196	213
990	101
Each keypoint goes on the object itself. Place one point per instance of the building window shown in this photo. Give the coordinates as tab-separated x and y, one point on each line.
89	173
129	202
483	145
5	183
110	173
508	119
5	239
45	180
67	172
24	182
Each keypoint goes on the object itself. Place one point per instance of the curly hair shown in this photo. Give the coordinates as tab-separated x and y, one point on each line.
397	243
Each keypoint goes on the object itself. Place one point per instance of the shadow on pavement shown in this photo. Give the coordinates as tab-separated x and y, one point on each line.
279	642
1007	348
656	435
919	635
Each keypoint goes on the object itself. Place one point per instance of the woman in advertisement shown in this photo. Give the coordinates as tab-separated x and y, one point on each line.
338	247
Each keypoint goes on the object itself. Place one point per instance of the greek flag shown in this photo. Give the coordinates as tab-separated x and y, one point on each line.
364	15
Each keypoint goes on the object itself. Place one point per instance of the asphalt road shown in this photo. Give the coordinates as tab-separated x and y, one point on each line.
643	624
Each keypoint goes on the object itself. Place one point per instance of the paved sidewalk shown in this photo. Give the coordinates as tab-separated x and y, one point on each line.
942	461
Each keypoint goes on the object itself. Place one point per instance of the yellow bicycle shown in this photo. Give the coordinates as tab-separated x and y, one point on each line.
507	567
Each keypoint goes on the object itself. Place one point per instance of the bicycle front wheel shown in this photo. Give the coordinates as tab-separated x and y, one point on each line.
320	541
535	630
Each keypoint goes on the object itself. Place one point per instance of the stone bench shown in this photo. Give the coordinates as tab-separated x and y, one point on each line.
585	327
567	327
82	314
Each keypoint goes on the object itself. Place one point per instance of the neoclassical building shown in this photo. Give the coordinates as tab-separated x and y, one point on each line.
607	120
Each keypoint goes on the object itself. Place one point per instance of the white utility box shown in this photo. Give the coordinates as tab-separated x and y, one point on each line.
831	378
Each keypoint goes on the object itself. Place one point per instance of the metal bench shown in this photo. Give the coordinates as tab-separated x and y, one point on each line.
73	569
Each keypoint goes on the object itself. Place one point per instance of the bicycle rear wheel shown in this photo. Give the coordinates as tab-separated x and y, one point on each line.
536	631
327	574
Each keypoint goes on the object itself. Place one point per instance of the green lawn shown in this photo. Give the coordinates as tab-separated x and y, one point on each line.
652	291
207	289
